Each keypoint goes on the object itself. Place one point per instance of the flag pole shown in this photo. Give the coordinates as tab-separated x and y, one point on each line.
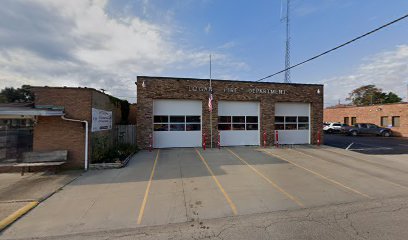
211	129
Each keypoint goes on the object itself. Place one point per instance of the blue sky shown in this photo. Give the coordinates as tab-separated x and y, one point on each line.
106	44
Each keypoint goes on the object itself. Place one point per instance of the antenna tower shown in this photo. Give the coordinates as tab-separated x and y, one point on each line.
287	54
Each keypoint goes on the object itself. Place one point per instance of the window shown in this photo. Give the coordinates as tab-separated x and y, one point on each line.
291	122
384	121
395	121
226	123
346	120
353	120
176	123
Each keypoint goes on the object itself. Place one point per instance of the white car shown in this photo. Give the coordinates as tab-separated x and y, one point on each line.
333	127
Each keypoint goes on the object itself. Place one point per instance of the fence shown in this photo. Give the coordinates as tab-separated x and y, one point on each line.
125	134
13	142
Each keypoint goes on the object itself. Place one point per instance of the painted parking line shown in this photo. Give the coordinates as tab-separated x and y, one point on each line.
143	206
318	174
230	202
288	195
348	147
381	179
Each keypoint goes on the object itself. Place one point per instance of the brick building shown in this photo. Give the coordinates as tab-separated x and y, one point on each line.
174	112
394	116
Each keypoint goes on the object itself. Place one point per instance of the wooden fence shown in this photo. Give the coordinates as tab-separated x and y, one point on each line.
125	134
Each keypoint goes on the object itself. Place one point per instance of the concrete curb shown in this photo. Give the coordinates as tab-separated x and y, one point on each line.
17	214
32	204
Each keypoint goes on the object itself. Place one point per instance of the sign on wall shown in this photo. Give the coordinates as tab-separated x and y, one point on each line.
101	120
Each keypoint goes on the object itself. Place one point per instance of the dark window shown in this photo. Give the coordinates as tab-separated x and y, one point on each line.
396	121
238	119
177	127
238	126
363	125
337	124
252	126
252	119
224	119
161	119
353	120
290	119
372	126
290	126
384	121
161	127
279	119
193	119
279	126
346	120
303	126
224	127
193	127
177	119
303	119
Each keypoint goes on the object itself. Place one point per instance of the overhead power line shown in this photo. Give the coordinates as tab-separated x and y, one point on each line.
335	48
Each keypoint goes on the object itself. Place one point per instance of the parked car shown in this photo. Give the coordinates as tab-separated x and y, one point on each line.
366	128
333	127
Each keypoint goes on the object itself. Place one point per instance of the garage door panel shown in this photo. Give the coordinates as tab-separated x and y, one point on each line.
293	137
292	121
176	107
177	123
238	123
237	138
177	139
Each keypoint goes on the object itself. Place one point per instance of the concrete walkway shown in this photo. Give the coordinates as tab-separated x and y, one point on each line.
17	191
192	186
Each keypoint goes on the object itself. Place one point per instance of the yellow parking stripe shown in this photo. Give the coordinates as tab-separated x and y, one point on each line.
142	208
318	174
381	179
268	180
231	204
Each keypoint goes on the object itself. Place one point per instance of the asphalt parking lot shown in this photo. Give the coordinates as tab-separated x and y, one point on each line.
374	145
191	185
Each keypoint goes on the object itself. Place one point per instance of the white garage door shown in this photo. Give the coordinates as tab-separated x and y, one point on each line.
176	123
238	123
292	121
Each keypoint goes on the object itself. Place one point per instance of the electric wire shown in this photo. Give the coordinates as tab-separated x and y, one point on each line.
335	48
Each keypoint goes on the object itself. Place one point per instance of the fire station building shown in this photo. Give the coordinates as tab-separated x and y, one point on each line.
174	112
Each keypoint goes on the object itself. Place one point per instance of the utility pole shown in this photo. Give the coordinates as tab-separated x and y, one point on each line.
287	55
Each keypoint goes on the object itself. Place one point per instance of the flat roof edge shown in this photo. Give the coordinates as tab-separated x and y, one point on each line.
225	80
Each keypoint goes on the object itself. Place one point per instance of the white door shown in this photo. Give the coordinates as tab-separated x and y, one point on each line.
238	123
176	123
292	122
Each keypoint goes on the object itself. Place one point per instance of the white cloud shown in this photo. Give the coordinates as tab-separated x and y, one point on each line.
77	43
387	70
207	28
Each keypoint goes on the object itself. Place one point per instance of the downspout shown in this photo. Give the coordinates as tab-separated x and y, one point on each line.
86	137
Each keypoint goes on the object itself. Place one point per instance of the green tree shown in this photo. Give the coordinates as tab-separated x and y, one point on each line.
370	94
10	94
392	98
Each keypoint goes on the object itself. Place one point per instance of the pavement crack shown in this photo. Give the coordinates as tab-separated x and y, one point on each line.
182	186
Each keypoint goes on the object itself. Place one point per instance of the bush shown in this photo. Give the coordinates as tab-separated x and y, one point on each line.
116	153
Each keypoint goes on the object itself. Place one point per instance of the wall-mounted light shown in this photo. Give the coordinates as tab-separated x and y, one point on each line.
143	84
318	91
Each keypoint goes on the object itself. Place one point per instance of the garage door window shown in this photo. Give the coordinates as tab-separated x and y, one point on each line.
177	123
291	123
226	123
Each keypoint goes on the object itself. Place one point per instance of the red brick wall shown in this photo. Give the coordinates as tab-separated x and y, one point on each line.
372	114
53	133
178	88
